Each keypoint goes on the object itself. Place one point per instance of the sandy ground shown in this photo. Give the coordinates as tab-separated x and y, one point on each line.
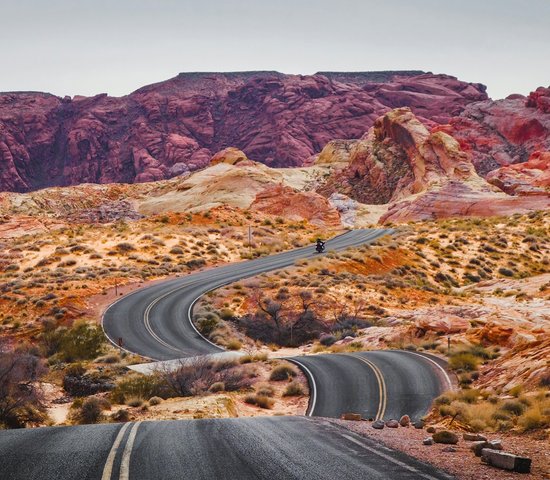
462	463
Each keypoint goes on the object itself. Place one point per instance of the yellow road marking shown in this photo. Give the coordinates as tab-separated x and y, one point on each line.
125	464
381	386
108	469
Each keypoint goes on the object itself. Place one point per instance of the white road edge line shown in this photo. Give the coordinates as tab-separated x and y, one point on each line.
125	464
313	396
445	374
389	458
108	468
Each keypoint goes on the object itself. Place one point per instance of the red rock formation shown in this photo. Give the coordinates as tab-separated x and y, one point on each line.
502	132
166	129
231	156
422	175
399	157
286	202
459	200
529	178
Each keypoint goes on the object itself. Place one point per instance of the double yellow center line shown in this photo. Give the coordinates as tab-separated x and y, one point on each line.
381	387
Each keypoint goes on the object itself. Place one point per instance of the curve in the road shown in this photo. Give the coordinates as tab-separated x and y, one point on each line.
154	322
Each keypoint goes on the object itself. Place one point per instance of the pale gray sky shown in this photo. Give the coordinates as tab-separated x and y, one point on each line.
70	47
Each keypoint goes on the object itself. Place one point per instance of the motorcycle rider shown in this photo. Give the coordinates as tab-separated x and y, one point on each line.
320	246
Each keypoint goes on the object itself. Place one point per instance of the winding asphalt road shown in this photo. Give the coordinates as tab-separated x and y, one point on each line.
154	322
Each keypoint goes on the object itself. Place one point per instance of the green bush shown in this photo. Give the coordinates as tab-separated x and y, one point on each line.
83	341
207	325
139	386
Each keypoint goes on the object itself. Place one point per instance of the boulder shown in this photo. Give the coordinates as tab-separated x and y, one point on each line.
431	429
495	445
378	424
428	441
419	424
506	461
392	424
448	449
229	155
446	437
405	421
474	437
477	447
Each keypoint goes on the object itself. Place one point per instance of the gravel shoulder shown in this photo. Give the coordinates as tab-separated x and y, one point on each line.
463	463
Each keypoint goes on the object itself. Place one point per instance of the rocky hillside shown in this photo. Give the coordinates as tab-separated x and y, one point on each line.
168	128
420	174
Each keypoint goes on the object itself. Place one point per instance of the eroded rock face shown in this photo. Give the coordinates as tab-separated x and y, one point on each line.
399	157
529	178
503	132
286	202
229	155
175	126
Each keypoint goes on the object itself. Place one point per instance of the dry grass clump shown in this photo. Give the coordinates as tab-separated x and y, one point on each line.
259	401
293	389
282	372
483	412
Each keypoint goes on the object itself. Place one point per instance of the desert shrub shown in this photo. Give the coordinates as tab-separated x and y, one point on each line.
139	386
233	344
121	415
516	391
217	387
533	419
469	395
176	250
134	402
293	389
89	411
155	401
125	247
79	384
207	325
111	358
21	401
514	407
265	390
327	340
463	361
234	378
83	341
196	377
260	401
282	372
506	272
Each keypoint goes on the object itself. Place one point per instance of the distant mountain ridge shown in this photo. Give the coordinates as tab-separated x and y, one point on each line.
171	127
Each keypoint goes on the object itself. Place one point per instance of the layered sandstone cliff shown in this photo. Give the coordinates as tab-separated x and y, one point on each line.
172	127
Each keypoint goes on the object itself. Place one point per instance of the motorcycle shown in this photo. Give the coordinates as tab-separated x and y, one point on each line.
320	247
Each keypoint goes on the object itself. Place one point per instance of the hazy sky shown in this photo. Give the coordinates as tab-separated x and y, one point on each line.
70	47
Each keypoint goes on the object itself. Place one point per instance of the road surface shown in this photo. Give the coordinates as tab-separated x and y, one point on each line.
246	448
154	321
